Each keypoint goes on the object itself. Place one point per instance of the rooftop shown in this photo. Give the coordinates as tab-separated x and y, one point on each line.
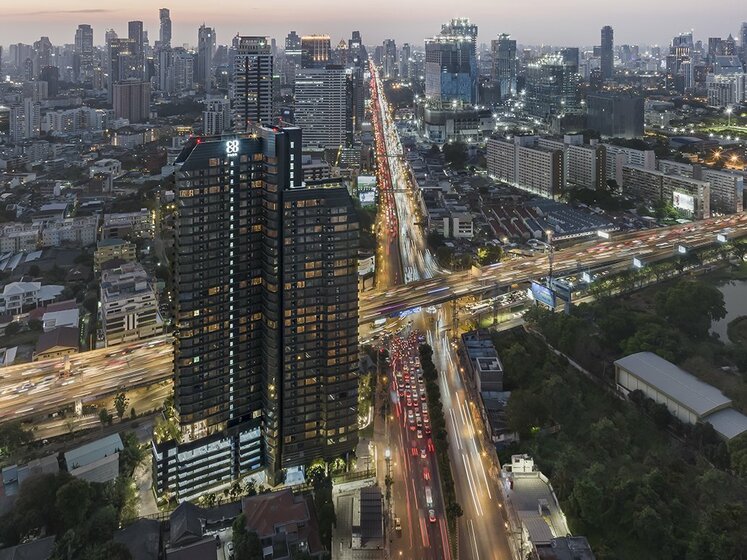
679	385
62	337
728	422
90	452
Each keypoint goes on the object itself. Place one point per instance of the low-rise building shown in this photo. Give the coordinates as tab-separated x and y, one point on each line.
113	249
59	342
129	306
80	232
19	238
97	461
18	296
359	525
691	196
128	224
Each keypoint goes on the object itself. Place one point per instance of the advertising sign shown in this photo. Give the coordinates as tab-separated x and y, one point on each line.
543	294
683	201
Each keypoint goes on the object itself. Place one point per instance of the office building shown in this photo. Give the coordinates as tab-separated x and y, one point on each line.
216	118
131	101
743	41
266	351
252	83
551	87
607	62
615	115
136	35
450	71
180	76
526	164
292	58
504	65
129	306
389	59
84	53
321	107
164	31
405	55
315	51
205	54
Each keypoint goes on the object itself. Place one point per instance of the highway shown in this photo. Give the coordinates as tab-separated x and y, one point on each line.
429	289
32	389
481	532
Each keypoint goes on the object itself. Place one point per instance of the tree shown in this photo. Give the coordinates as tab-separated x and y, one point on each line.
250	487
13	328
525	412
691	306
35	325
455	154
721	534
489	255
120	404
72	502
246	543
653	337
13	437
454	510
34	271
104	417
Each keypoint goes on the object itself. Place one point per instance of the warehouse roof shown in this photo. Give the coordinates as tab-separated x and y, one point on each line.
676	383
729	423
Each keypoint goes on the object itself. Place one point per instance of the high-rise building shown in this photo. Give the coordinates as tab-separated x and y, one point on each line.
84	53
252	83
180	75
389	59
743	41
216	118
205	53
315	51
551	87
405	54
121	62
461	27
164	32
504	65
131	100
320	106
615	114
266	352
136	35
292	58
450	70
607	63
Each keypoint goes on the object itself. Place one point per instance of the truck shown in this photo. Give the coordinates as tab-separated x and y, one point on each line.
428	497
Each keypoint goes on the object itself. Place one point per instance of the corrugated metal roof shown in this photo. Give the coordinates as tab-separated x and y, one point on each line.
676	383
729	423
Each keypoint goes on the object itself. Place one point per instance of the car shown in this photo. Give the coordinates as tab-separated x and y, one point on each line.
412	427
419	433
431	448
422	452
428	429
408	401
426	473
414	451
432	515
398	526
229	549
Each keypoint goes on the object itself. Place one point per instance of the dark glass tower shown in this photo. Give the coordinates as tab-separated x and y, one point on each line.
607	61
266	352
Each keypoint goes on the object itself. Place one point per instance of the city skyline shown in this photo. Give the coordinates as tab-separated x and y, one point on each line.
538	26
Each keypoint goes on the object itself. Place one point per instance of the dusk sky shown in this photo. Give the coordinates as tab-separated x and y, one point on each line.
573	22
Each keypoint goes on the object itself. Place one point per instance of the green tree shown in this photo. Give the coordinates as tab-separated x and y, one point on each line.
72	502
13	328
104	417
455	154
691	306
246	543
525	413
721	534
489	255
13	437
120	404
653	337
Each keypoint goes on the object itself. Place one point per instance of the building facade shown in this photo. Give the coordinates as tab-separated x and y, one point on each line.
129	306
252	83
321	106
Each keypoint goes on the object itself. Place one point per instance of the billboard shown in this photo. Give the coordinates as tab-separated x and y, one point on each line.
367	190
542	294
683	201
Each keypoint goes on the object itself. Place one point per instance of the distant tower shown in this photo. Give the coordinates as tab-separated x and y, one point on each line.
607	53
252	83
164	15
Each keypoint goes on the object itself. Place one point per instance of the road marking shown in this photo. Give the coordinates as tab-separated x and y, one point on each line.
472	486
456	430
474	539
477	451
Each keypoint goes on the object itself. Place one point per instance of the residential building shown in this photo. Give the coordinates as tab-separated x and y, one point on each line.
389	59
83	61
129	306
19	296
216	118
179	75
691	196
18	238
164	34
618	156
617	115
79	232
321	106
266	283
585	165
405	56
504	66
252	83
536	169
128	224
113	250
57	343
132	101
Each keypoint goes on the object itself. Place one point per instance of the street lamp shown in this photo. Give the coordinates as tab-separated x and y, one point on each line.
729	111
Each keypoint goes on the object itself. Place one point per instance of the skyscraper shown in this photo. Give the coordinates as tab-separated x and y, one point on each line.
131	100
84	52
205	53
266	346
389	59
164	34
450	70
320	106
504	65
136	35
607	61
121	62
180	76
551	87
252	83
292	60
405	53
315	51
743	41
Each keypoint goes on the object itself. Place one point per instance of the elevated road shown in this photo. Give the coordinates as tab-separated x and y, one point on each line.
648	245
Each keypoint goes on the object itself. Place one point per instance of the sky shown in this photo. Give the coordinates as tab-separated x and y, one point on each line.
531	22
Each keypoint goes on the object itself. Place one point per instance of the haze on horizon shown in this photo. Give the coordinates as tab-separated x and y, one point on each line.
574	23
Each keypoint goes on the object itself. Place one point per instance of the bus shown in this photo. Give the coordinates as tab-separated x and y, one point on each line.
428	497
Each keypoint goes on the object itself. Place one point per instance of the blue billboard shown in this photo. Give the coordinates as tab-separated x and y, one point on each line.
543	294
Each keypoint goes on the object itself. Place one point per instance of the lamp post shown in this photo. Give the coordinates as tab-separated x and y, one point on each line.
729	111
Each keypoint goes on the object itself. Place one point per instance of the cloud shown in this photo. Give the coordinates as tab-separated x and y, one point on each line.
53	12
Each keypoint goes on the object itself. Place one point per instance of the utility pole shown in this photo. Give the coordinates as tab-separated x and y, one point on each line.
551	256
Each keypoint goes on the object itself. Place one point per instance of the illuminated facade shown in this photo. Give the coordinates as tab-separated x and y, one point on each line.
266	352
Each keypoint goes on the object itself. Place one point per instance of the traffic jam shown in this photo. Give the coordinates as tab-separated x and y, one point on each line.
411	407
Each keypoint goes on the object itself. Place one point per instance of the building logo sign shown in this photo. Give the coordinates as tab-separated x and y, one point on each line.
232	148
